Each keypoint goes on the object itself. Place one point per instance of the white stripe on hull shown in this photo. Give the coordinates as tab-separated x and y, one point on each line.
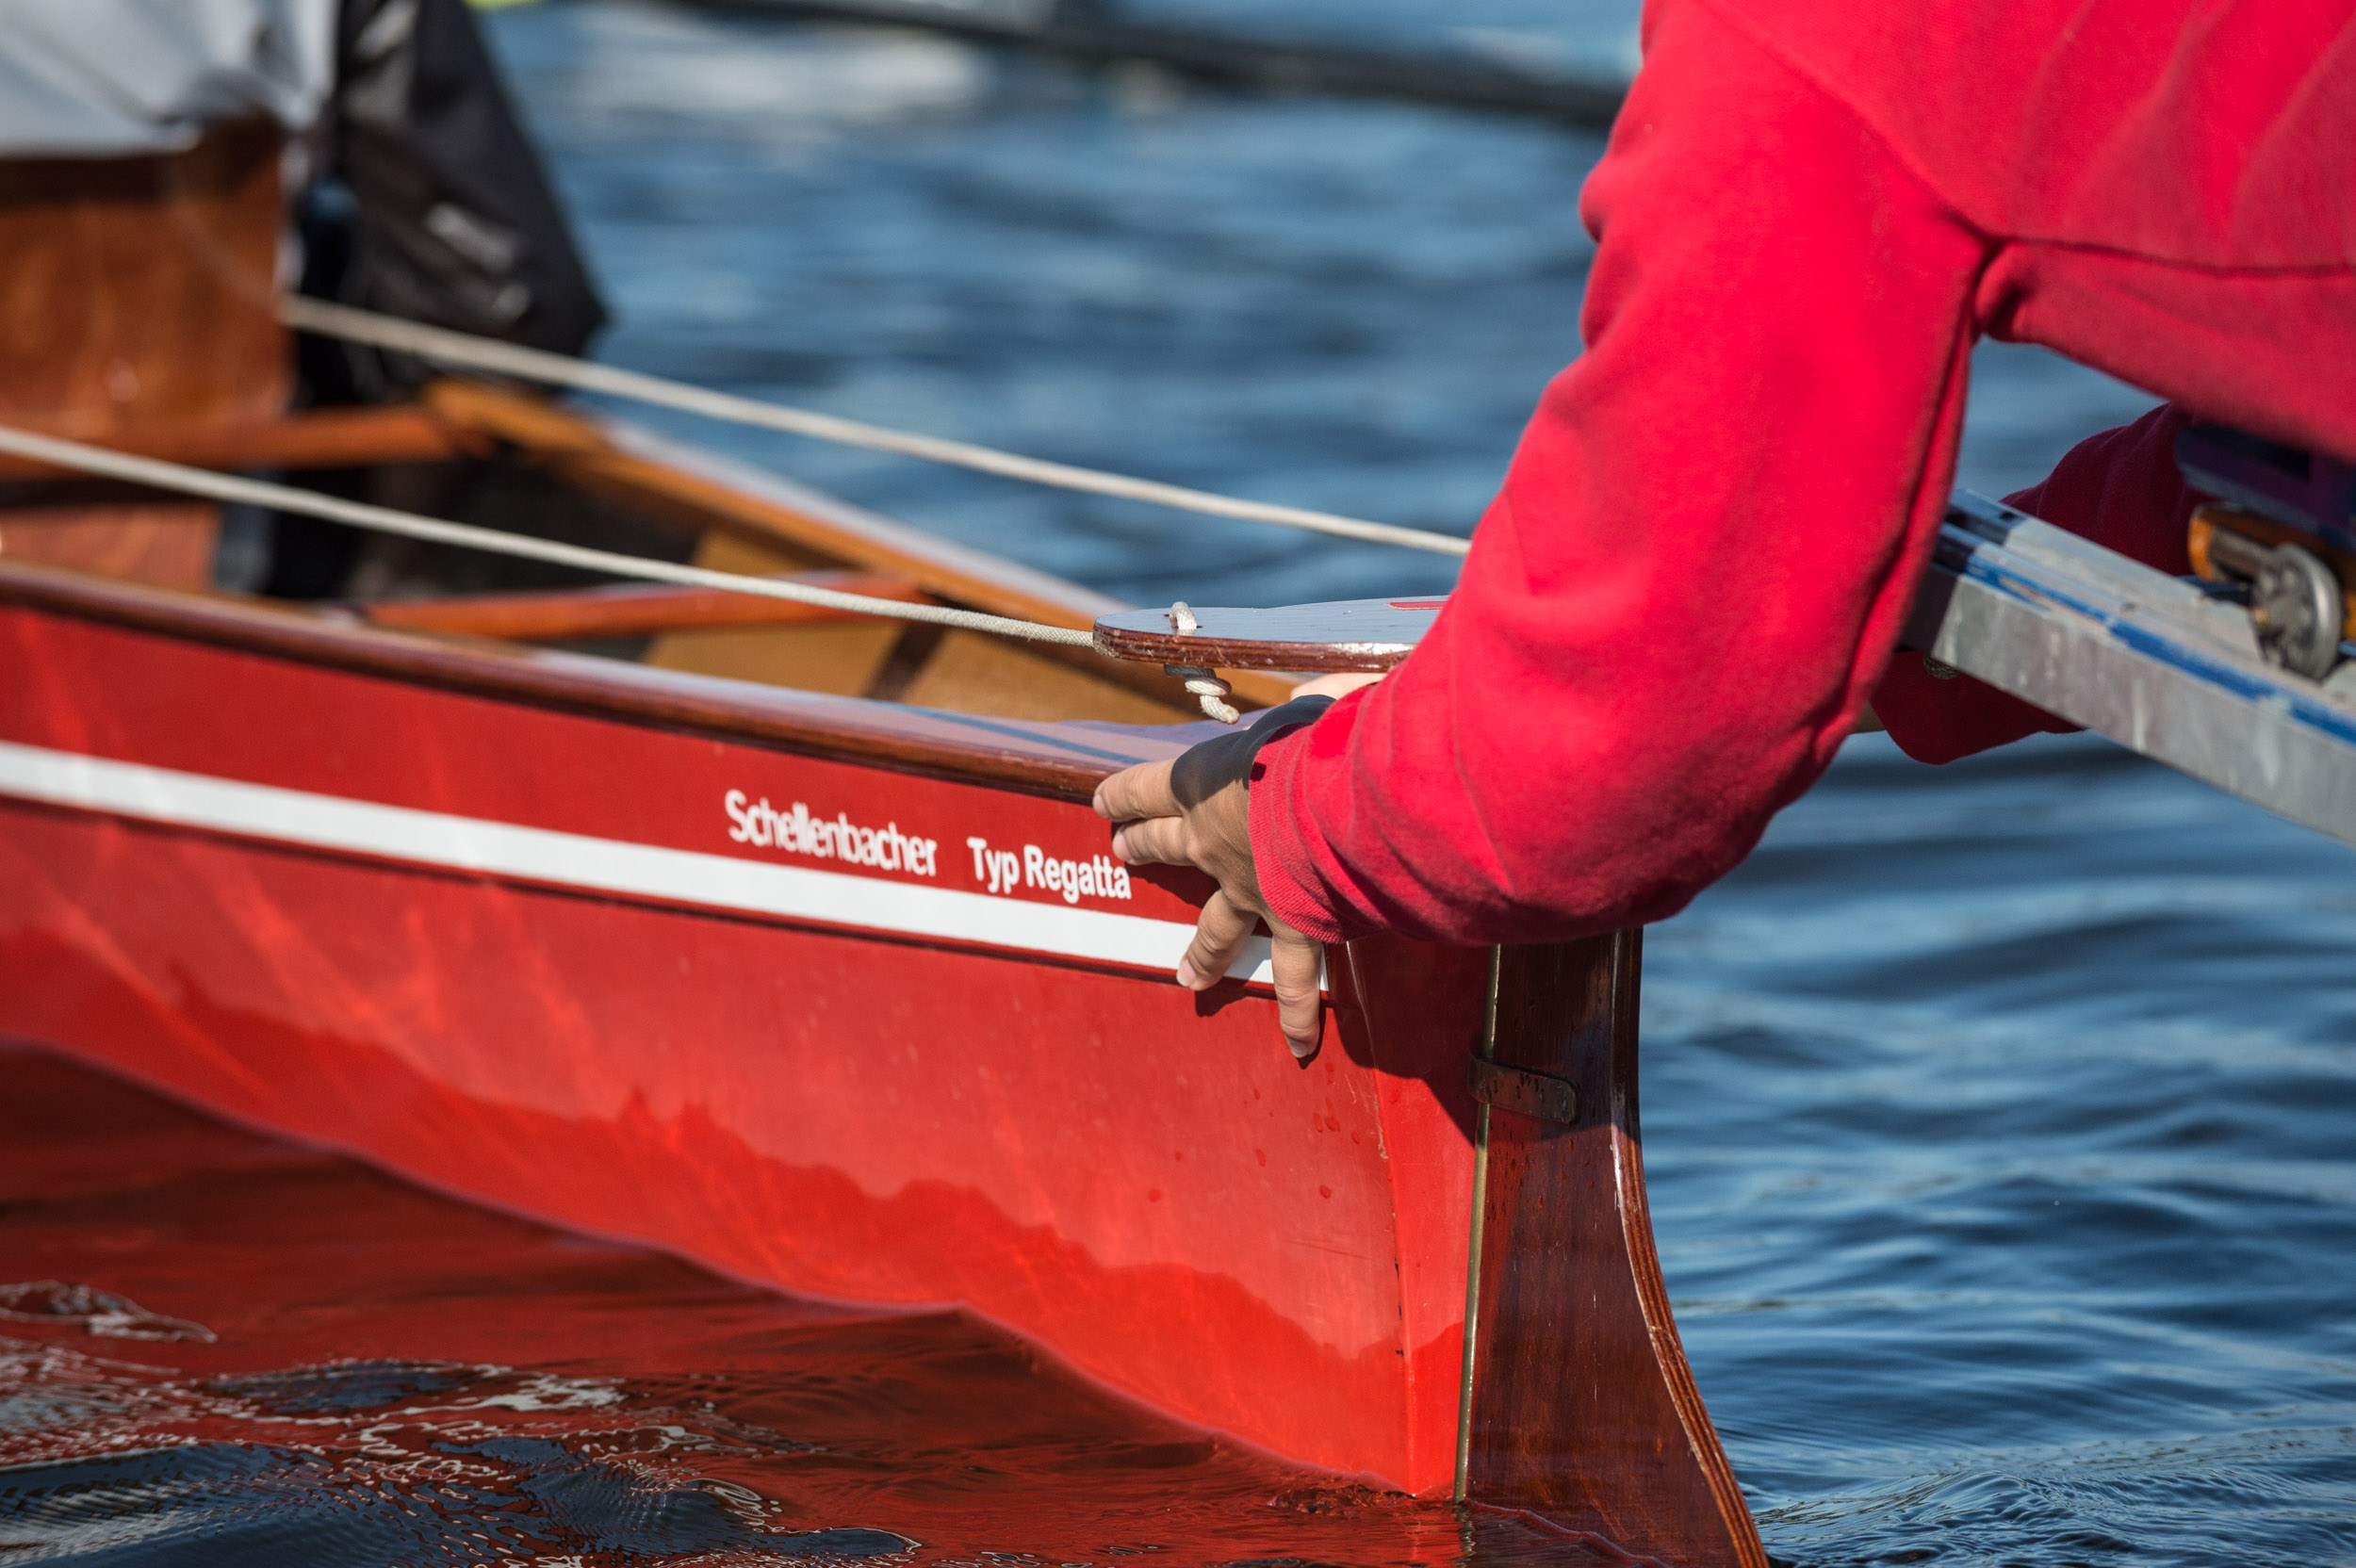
598	865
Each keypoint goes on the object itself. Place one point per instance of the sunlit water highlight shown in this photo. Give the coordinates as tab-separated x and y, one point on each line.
1998	1118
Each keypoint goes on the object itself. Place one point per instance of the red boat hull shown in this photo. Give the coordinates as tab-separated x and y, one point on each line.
1063	1141
842	997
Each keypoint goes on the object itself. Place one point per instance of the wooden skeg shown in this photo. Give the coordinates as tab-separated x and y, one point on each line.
1575	1349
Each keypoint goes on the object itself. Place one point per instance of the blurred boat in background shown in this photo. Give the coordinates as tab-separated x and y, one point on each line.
1514	80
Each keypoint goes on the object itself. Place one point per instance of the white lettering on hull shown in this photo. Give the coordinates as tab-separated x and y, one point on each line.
1000	870
547	857
796	832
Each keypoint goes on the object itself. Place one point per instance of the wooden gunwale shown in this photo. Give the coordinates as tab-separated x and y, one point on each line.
1017	754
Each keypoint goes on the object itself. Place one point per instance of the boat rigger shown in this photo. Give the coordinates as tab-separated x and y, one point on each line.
2182	671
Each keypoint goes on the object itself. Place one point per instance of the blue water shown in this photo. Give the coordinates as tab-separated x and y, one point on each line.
1341	305
1998	1131
1998	1117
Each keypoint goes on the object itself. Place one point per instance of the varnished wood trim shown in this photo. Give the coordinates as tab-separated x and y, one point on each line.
1066	760
1249	654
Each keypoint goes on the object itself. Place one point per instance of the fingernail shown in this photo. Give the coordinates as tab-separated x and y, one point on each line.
1303	1052
1187	975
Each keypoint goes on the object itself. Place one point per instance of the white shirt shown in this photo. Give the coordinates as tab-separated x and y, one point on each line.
110	77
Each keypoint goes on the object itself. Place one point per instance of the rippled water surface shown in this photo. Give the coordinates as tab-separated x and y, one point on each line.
1998	1118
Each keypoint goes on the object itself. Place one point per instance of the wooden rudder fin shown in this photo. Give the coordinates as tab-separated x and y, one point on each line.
1578	1405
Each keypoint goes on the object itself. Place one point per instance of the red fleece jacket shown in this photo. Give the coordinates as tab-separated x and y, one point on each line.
1702	555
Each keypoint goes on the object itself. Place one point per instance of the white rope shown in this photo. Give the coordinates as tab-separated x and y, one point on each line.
1202	680
1208	688
108	463
485	354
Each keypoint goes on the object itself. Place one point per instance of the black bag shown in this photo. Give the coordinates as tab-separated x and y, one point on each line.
443	214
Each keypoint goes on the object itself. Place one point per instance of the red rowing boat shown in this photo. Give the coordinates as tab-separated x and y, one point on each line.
787	941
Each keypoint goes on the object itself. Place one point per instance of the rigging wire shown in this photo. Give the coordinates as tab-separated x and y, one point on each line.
108	463
445	347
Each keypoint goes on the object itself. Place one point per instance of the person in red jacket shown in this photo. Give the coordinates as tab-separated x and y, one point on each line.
1694	577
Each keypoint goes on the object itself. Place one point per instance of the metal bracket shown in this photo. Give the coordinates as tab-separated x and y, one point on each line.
2151	661
1524	1093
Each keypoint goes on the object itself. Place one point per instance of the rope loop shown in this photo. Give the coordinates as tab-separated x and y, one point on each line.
1209	689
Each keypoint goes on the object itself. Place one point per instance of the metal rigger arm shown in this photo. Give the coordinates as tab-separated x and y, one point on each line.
2204	675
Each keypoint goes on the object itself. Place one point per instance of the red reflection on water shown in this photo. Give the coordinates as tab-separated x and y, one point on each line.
489	1380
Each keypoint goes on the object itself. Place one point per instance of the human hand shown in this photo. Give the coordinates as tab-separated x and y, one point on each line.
1196	810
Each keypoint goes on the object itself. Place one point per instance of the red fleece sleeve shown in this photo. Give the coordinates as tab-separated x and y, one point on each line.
1700	562
2120	489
